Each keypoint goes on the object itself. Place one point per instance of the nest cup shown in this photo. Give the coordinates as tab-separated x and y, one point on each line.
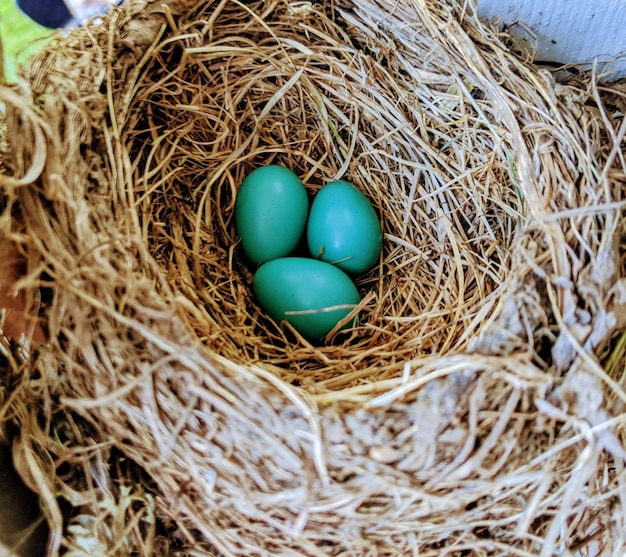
264	92
478	395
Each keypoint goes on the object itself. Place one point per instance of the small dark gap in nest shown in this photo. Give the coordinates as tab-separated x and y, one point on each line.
613	357
543	345
621	246
545	336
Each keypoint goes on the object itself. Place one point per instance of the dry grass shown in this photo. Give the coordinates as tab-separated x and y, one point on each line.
477	405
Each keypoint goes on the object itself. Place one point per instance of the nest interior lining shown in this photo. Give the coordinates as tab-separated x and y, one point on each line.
297	91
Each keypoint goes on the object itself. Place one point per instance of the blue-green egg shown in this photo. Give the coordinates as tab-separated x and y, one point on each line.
312	295
270	212
344	229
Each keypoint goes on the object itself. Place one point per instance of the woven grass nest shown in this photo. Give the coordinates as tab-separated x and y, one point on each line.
476	407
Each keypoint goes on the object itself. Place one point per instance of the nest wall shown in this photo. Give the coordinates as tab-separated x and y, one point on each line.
476	407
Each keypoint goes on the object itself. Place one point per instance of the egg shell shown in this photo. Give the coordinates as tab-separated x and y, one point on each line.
343	228
301	284
271	210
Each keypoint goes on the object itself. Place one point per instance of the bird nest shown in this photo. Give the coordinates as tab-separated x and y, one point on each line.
476	407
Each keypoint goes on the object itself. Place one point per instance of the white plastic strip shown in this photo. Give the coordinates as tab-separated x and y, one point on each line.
578	32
